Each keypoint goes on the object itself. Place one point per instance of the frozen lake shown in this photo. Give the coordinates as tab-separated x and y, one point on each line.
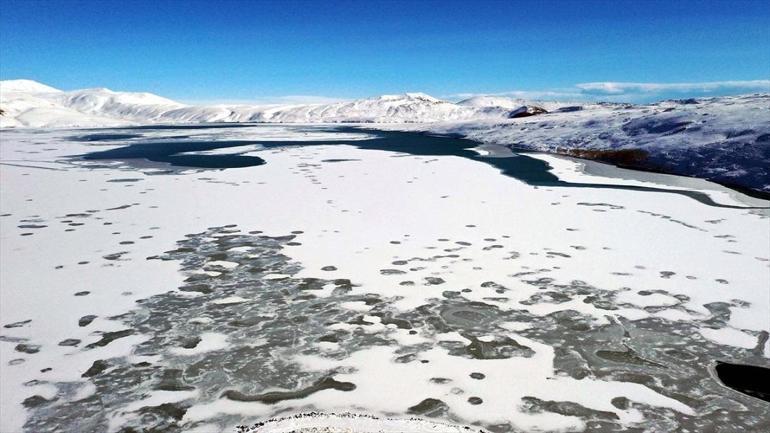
194	278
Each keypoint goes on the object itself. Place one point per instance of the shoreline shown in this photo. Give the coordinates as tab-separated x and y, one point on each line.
747	196
752	193
502	150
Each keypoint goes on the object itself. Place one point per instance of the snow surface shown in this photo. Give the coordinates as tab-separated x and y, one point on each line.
26	86
61	219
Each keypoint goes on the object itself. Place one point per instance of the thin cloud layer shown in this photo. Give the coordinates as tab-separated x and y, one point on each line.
557	94
634	92
620	88
610	91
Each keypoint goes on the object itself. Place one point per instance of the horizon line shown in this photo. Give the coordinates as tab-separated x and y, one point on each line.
595	91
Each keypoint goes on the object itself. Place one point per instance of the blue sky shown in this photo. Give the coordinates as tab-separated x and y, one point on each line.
302	50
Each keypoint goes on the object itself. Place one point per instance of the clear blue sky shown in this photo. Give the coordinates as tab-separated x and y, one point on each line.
248	50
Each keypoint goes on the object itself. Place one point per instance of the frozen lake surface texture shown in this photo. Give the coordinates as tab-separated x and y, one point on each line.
198	278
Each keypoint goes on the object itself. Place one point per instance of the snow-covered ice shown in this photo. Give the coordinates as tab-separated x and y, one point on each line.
344	279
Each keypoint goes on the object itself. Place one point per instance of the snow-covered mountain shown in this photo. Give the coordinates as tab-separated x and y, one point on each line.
406	108
30	104
492	101
28	86
27	103
725	139
121	105
506	103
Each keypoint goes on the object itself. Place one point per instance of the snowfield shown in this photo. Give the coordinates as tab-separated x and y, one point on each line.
723	139
338	278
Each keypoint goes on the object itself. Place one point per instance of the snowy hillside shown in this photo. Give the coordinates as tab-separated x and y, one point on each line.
503	102
28	86
28	103
725	139
141	107
406	108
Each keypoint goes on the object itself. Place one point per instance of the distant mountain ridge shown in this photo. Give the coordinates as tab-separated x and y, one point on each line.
31	104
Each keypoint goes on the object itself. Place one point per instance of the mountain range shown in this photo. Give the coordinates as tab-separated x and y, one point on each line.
31	104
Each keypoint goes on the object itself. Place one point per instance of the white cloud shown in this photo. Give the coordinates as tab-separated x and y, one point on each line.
620	88
551	95
631	92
